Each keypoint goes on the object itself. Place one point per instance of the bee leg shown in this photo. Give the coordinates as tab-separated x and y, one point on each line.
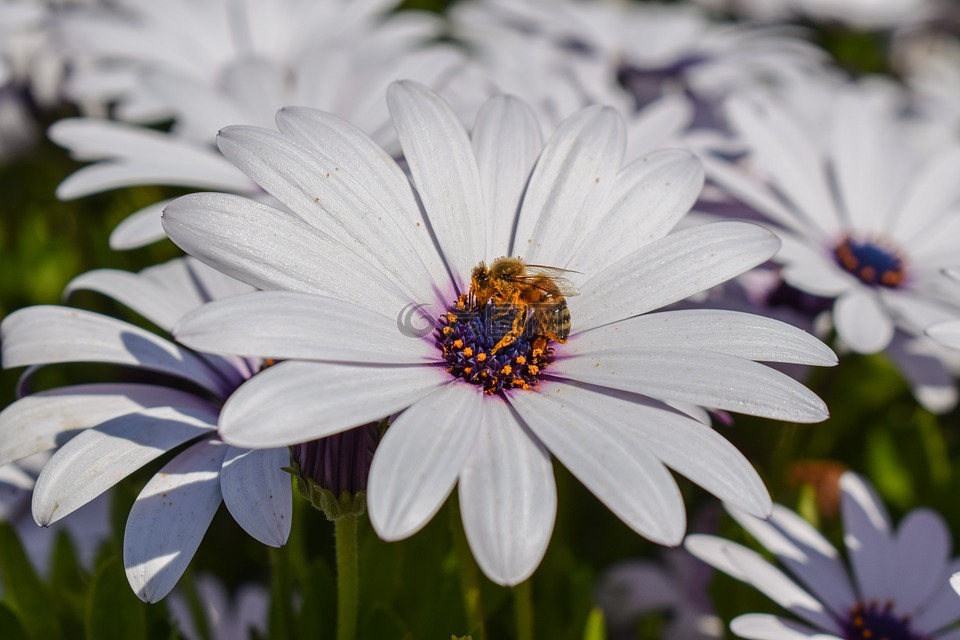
516	330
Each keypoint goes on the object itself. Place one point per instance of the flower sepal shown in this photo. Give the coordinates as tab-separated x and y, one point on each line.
332	506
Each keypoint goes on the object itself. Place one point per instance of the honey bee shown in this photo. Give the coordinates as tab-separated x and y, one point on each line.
528	288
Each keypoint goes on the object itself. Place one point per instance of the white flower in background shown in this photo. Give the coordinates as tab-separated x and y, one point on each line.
894	584
236	63
654	49
109	430
227	617
866	15
863	220
353	252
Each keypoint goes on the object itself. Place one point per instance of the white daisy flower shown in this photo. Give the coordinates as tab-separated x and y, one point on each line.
484	398
863	220
109	430
896	586
237	64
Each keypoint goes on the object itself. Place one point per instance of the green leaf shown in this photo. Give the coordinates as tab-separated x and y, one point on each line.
26	594
383	624
596	627
113	611
10	627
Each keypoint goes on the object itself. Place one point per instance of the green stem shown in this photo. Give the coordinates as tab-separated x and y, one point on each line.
469	575
281	594
348	577
523	609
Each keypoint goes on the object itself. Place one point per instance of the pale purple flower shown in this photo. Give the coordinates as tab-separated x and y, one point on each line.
357	246
893	584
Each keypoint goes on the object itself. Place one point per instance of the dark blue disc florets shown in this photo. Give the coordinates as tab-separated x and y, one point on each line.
872	263
468	334
876	621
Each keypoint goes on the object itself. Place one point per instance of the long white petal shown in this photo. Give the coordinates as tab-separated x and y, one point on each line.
669	270
750	567
346	198
806	553
284	324
271	249
140	228
257	492
104	455
169	518
921	559
419	459
49	334
357	154
744	335
648	198
444	169
763	626
608	459
507	142
691	376
571	180
299	401
508	497
47	419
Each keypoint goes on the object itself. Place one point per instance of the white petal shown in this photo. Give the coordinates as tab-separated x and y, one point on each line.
750	567
506	141
169	518
669	270
257	492
947	333
862	322
299	401
271	249
734	333
417	463
48	334
691	376
357	155
859	162
613	462
925	370
783	148
571	180
163	308
47	419
444	169
283	324
866	535
932	191
762	626
346	203
508	497
140	228
809	271
806	553
648	198
750	190
659	121
102	456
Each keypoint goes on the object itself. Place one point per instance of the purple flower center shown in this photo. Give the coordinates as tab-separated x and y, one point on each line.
468	337
872	263
876	621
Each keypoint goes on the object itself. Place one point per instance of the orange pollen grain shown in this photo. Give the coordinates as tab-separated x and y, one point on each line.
457	344
468	351
481	357
520	360
868	273
507	370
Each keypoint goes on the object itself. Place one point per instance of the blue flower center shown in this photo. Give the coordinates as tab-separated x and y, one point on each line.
876	621
468	334
872	263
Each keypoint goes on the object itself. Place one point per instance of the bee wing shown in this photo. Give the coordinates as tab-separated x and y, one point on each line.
563	285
